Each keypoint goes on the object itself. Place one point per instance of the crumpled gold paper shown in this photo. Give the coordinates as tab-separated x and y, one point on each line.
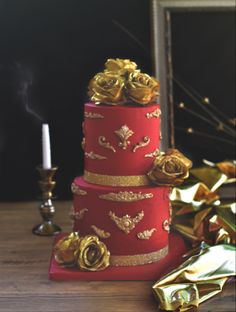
202	217
197	279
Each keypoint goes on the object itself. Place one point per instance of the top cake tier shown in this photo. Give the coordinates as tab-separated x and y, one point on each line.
120	143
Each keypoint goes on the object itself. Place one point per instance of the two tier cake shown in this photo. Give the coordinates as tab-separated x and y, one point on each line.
121	203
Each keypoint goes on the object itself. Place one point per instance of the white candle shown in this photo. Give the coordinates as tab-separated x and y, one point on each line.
46	147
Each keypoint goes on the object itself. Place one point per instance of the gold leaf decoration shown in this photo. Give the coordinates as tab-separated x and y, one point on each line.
79	215
126	223
92	115
155	114
146	234
143	143
92	155
153	154
124	133
166	226
76	190
102	142
100	233
126	196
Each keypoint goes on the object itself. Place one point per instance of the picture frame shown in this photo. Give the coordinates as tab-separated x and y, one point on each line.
162	53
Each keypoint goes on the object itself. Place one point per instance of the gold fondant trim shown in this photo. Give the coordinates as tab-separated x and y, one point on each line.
155	114
102	142
126	223
124	133
126	196
92	155
92	115
83	144
101	233
145	142
139	259
109	180
79	215
153	154
146	234
76	190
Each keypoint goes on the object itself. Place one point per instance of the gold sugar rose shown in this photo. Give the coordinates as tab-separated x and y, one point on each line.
64	250
171	168
107	88
121	66
92	254
141	88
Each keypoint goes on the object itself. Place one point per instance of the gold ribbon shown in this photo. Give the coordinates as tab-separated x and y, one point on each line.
139	259
101	179
197	279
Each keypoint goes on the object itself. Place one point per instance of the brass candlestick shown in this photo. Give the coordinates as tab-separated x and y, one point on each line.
47	210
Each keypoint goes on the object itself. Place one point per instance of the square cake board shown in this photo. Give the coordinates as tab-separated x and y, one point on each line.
153	271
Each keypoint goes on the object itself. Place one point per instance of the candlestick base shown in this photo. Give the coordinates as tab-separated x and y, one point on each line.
46	229
47	209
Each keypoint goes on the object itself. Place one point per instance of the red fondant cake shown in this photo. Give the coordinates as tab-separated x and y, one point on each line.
115	200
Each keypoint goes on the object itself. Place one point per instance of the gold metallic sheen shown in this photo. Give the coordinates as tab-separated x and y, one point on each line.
92	155
99	232
155	114
109	180
126	196
103	142
153	154
146	234
139	259
143	143
126	223
124	133
76	190
92	115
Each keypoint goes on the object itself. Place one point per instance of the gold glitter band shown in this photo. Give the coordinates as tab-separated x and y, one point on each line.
139	259
109	180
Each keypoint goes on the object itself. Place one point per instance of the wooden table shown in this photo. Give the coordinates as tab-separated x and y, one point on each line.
24	283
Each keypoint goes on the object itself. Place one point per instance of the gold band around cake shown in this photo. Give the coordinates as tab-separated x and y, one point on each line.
101	179
139	259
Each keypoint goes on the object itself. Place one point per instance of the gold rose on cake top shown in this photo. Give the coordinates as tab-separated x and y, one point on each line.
122	83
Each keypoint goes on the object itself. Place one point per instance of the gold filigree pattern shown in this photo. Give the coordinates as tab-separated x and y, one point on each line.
124	133
166	226
92	155
153	154
126	196
100	233
143	143
102	142
155	114
92	115
103	179
76	190
139	259
146	234
126	223
79	215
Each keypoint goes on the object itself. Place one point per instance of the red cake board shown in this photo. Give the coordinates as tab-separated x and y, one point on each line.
150	272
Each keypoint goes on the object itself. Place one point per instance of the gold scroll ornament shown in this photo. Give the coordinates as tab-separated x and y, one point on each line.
79	215
143	143
99	232
153	154
126	196
155	114
103	142
92	115
76	190
124	133
126	223
92	155
146	234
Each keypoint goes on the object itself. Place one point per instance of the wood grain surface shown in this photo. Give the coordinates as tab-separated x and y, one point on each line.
24	283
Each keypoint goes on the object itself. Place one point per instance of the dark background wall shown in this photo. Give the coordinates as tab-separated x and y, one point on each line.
49	49
48	52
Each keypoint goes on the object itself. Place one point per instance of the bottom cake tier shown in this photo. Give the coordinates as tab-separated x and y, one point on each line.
133	222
